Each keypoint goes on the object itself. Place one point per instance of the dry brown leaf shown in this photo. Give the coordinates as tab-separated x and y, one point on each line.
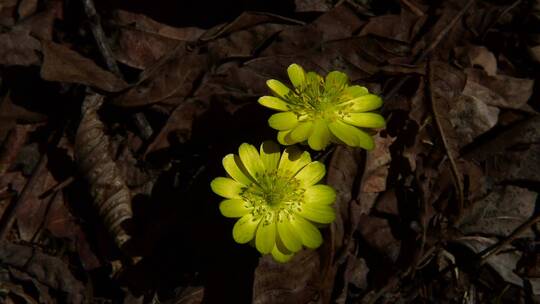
180	121
27	8
523	133
47	269
41	23
11	289
62	224
10	111
500	212
403	27
8	10
245	21
480	56
445	86
140	49
294	282
65	65
471	117
243	43
500	90
342	172
190	295
18	48
339	23
145	24
304	6
377	234
42	296
294	40
7	3
377	164
11	146
514	154
239	82
174	76
504	263
32	211
535	53
11	114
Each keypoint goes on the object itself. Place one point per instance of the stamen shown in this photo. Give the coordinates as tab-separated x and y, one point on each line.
274	194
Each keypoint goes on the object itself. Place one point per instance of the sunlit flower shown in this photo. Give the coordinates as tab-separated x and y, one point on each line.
276	197
322	110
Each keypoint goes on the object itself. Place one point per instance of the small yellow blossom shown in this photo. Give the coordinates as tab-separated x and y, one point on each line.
322	110
276	198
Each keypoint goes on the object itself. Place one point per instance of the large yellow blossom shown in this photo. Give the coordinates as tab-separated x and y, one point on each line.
276	197
322	110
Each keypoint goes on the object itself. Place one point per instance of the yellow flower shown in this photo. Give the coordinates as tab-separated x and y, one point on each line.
276	197
322	110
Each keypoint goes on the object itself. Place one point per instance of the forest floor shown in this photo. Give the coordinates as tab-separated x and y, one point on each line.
115	117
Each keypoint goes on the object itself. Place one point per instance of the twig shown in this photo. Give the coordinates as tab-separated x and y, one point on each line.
504	12
57	187
485	254
458	183
443	33
412	7
99	35
144	127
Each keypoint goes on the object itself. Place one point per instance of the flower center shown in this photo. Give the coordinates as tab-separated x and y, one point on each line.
273	194
315	101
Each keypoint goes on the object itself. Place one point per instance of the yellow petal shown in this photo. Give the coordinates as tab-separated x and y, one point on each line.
323	214
284	138
365	120
320	194
302	131
292	160
320	137
278	88
234	167
335	80
280	256
226	187
273	103
311	174
251	160
270	154
265	240
314	80
290	239
350	135
365	103
283	121
352	92
234	208
308	233
244	229
297	75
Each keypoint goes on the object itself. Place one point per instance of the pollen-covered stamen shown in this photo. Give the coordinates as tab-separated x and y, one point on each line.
314	100
275	194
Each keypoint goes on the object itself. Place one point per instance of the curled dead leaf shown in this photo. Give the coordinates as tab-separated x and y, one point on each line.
112	197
